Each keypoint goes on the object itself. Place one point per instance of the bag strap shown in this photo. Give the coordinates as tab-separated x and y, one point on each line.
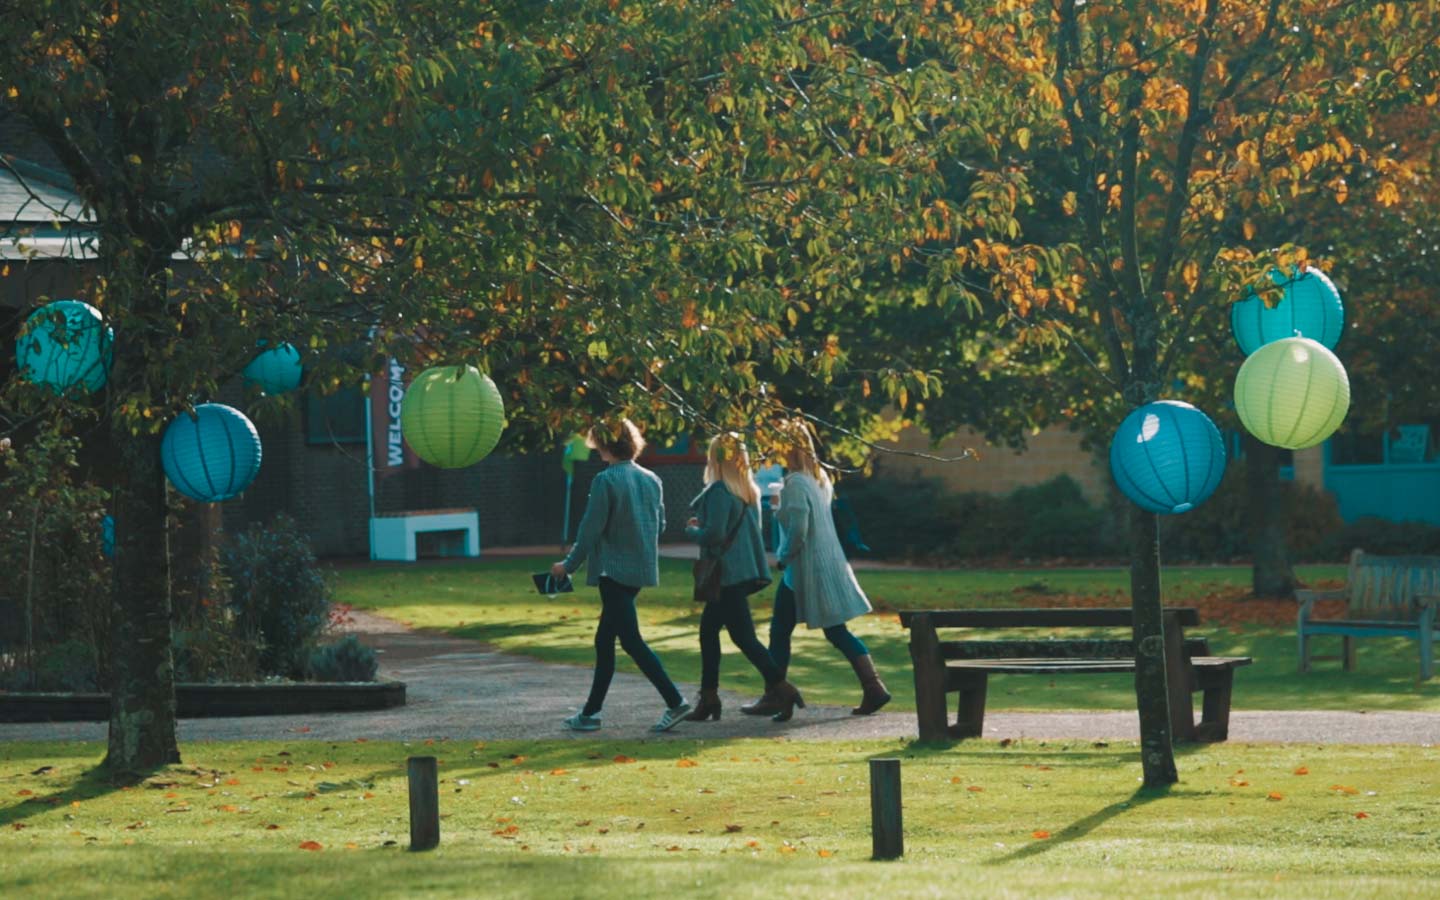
730	538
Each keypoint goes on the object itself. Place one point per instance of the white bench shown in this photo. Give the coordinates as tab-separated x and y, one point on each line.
392	535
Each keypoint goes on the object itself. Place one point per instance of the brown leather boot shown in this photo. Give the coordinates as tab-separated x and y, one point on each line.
707	706
875	695
788	697
767	705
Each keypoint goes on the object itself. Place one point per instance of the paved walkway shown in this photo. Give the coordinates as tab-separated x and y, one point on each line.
460	689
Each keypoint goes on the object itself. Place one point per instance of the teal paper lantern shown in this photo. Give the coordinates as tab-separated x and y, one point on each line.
452	416
64	344
1309	307
1167	457
212	454
1292	393
275	371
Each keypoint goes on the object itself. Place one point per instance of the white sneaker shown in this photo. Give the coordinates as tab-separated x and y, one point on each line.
672	717
582	722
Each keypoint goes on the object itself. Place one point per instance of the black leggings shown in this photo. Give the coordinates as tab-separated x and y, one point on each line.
618	621
782	624
731	610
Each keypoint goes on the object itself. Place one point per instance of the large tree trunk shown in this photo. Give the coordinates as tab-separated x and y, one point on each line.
1273	575
1152	693
142	689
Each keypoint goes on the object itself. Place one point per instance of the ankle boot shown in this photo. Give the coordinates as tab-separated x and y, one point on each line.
767	705
875	695
707	706
787	697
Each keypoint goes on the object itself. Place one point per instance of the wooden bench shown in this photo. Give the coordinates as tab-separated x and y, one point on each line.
942	667
1386	596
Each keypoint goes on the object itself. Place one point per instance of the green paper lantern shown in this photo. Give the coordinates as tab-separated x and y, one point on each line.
64	344
1292	393
452	416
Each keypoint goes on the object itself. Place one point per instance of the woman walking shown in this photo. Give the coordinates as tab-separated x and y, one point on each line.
619	537
726	525
818	586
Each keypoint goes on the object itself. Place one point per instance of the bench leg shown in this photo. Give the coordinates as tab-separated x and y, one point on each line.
1304	649
970	721
1427	643
1215	705
929	667
1349	653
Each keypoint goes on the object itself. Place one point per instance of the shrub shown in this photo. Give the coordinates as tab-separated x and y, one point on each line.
67	666
1219	529
1055	519
278	594
901	517
1383	536
345	660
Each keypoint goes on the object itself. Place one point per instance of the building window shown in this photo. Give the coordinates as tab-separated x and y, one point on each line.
337	418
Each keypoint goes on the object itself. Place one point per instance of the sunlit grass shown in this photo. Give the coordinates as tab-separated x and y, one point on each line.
736	819
494	601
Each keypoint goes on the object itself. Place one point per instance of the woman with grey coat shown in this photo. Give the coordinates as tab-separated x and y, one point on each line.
726	525
818	587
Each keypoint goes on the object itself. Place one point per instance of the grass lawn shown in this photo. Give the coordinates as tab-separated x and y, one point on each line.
494	601
741	819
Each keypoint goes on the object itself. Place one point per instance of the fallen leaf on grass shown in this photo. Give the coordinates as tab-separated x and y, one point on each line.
731	829
24	792
232	781
1362	815
311	845
622	758
1040	835
1302	771
1274	795
975	787
826	854
672	848
272	827
43	770
686	764
1344	789
18	826
558	772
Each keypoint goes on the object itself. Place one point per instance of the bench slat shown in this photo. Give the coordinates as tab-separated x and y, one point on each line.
1044	666
1122	617
1097	648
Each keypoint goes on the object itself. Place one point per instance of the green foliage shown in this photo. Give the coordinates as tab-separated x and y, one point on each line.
913	518
55	580
279	595
1382	536
344	660
1218	530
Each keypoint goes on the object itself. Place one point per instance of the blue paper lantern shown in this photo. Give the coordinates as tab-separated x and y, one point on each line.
211	455
64	344
1309	307
1167	457
275	371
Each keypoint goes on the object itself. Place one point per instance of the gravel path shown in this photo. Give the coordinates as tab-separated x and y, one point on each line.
460	689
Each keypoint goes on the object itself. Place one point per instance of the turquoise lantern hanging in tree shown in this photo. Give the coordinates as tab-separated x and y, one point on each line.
1292	393
1309	306
452	416
1167	457
276	370
211	454
64	344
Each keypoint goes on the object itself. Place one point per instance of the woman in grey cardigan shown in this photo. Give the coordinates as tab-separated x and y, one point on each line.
818	586
619	536
726	524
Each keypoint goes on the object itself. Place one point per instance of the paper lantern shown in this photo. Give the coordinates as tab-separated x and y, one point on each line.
1167	456
63	344
452	416
211	455
1309	307
1292	393
275	371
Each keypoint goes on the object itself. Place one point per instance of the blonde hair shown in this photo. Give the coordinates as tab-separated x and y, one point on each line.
728	460
617	436
797	441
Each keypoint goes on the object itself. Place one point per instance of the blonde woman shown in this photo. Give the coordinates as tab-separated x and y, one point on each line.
619	539
726	525
818	586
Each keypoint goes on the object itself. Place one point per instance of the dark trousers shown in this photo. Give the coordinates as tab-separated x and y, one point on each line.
782	625
732	611
619	622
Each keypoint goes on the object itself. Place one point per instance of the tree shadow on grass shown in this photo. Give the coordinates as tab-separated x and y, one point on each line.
96	781
1081	828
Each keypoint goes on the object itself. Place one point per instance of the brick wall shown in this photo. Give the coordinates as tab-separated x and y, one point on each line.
1000	470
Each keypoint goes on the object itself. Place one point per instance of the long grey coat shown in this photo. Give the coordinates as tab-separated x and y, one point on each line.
719	511
826	592
619	534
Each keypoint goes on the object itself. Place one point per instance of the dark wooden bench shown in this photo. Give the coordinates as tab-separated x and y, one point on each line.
942	667
1386	596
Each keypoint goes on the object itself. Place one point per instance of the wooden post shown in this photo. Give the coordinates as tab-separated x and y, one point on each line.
887	827
424	803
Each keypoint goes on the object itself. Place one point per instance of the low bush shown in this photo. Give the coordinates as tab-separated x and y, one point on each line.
1383	536
1218	530
345	660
